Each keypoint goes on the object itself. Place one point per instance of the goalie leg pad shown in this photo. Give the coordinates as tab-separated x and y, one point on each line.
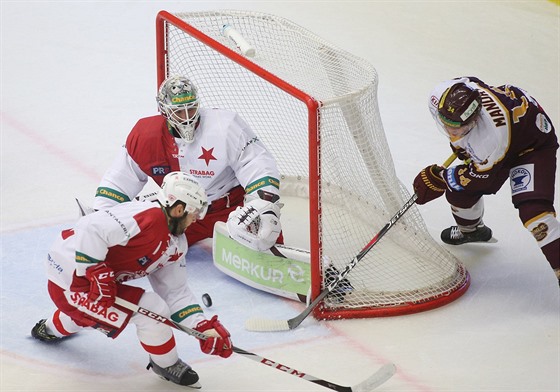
281	270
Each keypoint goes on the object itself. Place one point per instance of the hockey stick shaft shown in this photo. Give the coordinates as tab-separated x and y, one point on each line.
386	228
296	321
378	378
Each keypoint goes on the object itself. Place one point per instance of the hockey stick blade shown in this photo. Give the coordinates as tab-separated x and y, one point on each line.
378	378
267	325
84	209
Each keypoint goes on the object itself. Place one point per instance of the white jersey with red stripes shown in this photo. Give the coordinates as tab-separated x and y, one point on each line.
225	153
133	239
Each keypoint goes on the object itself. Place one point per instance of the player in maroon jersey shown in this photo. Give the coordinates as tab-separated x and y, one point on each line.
88	267
500	133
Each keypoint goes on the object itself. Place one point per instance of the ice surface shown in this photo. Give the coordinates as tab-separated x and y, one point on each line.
75	78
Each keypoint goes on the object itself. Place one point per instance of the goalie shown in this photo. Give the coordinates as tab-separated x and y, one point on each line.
215	146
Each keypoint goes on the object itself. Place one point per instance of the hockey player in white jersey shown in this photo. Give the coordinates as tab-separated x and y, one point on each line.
501	133
215	146
88	267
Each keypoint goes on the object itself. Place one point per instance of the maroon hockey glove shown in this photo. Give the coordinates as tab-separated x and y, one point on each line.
460	152
218	342
102	285
428	184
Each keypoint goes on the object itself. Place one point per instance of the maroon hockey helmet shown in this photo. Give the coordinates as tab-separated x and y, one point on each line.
459	105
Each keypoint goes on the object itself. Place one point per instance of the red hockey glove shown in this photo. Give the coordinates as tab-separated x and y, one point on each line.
79	284
428	184
218	342
102	285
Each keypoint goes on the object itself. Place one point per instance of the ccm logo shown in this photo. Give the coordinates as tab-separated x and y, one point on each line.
106	275
152	315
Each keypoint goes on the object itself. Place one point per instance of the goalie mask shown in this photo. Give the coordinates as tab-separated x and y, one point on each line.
179	186
178	102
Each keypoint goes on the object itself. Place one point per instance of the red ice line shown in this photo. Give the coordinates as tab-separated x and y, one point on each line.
414	384
49	147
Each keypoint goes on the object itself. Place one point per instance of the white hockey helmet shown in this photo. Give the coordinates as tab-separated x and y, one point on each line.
179	186
178	102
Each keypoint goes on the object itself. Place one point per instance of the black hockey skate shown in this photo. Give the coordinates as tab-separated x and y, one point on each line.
39	331
454	236
180	373
339	292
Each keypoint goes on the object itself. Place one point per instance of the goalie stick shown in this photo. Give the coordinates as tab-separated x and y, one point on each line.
379	377
267	325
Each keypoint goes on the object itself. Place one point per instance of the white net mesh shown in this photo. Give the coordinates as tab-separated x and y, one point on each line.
359	190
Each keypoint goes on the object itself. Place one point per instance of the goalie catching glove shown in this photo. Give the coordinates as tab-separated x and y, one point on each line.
218	341
255	225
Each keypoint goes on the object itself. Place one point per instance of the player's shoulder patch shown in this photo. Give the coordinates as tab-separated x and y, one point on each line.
542	123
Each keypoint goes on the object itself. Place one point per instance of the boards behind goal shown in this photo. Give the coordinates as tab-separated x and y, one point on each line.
315	107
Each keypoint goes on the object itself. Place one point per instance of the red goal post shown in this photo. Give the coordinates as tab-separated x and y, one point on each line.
315	107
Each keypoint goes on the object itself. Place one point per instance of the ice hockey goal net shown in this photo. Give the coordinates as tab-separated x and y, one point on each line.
315	107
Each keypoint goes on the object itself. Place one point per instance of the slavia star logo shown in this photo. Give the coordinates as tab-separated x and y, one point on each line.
207	155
